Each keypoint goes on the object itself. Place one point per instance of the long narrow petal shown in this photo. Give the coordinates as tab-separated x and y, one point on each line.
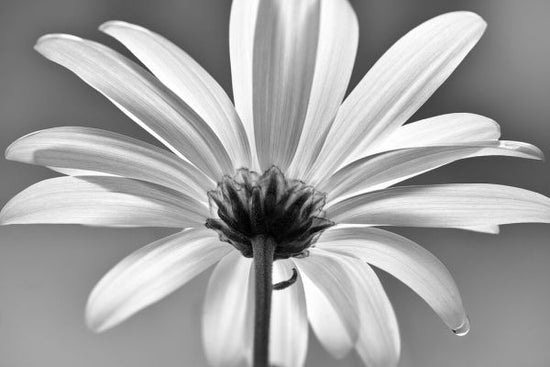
449	129
407	261
103	201
224	320
67	171
242	24
98	150
289	327
338	36
446	205
386	169
330	278
285	45
143	98
325	321
378	343
151	273
398	84
185	77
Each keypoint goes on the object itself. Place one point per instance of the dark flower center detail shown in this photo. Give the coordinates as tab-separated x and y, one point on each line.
249	205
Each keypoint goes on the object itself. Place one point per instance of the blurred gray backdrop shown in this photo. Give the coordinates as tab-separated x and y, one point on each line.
46	272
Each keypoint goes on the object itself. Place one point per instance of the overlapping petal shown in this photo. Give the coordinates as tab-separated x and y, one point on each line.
227	305
103	201
449	129
83	148
285	45
444	205
378	341
143	98
336	49
289	327
150	274
192	83
405	260
386	169
326	322
397	85
291	62
330	278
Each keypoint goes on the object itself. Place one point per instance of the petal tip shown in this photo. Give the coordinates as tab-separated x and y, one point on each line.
115	27
94	322
46	40
110	24
463	328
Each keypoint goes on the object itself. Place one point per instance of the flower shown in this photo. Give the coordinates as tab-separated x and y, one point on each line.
289	161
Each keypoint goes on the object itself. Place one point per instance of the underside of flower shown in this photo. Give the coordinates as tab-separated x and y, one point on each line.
250	205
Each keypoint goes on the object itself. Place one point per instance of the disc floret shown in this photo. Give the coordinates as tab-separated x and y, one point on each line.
249	205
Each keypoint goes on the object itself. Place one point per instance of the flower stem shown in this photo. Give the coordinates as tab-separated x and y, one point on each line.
263	249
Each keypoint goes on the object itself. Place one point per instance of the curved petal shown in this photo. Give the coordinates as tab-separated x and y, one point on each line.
379	344
386	169
449	129
289	328
89	149
405	260
446	205
224	320
143	98
185	77
378	341
150	274
242	24
330	278
398	84
103	201
325	321
336	49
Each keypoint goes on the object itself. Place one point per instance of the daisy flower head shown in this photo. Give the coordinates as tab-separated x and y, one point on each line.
282	190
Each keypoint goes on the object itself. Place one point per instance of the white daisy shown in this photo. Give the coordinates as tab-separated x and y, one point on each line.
289	173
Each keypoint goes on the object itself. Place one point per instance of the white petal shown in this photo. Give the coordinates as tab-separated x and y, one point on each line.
242	24
143	98
82	148
103	201
331	279
382	170
185	77
398	84
150	274
378	344
66	171
483	229
285	47
407	261
338	36
446	205
325	321
224	321
289	327
450	129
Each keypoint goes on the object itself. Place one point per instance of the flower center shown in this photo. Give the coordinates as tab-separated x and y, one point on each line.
249	205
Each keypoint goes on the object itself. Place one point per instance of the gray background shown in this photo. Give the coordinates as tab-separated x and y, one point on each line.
46	272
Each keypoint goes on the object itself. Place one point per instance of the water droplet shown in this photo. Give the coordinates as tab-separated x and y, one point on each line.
463	329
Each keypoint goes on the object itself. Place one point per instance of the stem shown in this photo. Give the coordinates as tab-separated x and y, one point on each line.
263	249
